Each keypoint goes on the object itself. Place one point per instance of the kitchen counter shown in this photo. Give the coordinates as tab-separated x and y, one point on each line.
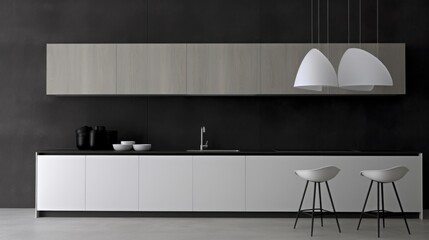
241	152
182	181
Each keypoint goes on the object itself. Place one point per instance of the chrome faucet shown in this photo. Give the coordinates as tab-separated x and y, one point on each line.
202	145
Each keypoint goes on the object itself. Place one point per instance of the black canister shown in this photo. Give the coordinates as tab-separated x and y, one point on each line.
98	138
83	138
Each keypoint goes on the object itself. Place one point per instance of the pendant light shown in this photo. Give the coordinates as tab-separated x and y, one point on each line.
359	70
315	71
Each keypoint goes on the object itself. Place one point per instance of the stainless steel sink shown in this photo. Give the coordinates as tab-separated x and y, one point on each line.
213	151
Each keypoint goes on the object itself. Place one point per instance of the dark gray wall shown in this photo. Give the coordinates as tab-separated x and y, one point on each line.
30	120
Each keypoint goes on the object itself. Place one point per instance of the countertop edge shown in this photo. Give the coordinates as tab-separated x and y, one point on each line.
244	152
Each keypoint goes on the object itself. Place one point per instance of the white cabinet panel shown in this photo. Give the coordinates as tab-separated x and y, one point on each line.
219	183
112	183
271	184
223	69
151	68
60	183
81	69
165	183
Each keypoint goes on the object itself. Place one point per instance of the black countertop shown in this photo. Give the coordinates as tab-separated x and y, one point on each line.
241	152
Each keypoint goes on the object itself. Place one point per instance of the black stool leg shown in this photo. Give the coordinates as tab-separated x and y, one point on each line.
400	205
300	205
382	203
312	212
320	203
333	207
378	209
364	205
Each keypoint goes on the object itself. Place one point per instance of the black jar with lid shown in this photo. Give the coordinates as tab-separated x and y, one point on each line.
83	138
98	138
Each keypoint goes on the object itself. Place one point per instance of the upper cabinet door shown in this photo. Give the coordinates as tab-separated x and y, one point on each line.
81	69
279	66
151	68
223	69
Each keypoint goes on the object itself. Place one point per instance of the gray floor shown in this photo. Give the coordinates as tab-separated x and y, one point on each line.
21	224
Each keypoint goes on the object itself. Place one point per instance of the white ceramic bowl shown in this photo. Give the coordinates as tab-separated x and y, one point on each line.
121	147
128	142
142	147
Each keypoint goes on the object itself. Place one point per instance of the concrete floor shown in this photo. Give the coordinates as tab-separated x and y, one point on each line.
20	224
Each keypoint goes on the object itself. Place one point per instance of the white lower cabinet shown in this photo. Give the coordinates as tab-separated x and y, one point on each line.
214	183
112	183
219	183
271	184
165	183
60	183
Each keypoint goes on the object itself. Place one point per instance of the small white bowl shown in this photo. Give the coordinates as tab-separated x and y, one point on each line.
128	142
121	147
142	147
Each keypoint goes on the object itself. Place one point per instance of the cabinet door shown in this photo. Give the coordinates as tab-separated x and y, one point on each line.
81	69
112	183
279	66
271	184
165	183
223	69
60	183
219	183
151	68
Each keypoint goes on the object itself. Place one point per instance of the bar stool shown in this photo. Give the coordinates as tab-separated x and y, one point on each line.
390	175
317	176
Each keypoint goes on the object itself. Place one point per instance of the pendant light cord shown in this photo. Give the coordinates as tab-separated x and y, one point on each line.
327	26
378	16
312	22
318	24
360	23
348	23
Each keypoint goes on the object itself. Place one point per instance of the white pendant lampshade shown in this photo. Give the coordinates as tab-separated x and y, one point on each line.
315	72
359	70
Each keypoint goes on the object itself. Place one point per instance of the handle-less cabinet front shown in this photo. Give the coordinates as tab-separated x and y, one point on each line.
151	68
165	183
81	69
272	186
60	183
219	183
223	69
112	183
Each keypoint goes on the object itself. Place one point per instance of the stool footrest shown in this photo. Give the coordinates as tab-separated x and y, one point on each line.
373	213
308	212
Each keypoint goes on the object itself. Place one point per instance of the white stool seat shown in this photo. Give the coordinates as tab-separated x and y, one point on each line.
385	175
319	174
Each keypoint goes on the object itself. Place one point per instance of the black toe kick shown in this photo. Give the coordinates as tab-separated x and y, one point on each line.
202	214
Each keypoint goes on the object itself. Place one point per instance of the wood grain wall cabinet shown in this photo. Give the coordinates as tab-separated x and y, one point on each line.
81	69
202	69
223	69
151	69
